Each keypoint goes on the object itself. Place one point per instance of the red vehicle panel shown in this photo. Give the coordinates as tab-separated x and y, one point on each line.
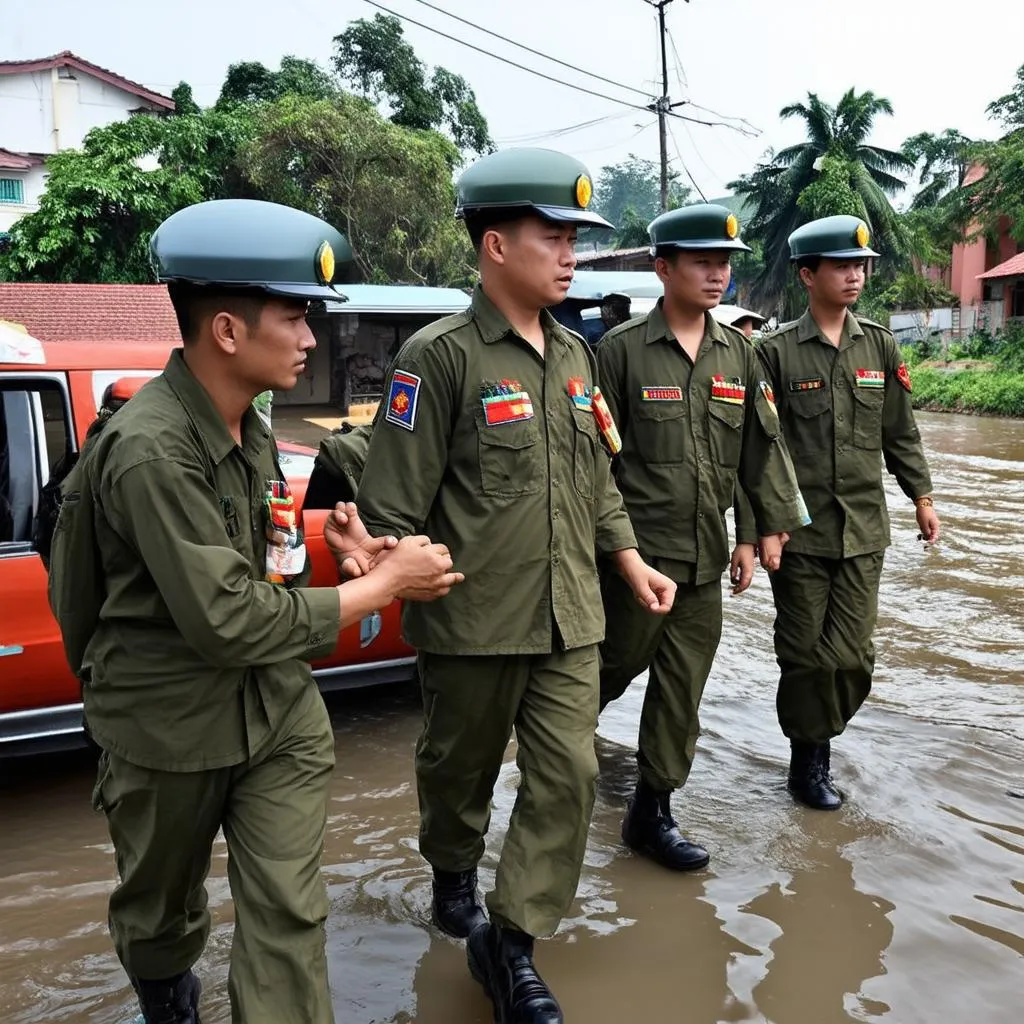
44	404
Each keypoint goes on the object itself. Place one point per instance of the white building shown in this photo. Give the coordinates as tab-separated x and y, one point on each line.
51	104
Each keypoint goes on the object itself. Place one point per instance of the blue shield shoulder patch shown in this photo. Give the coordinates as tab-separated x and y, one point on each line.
403	400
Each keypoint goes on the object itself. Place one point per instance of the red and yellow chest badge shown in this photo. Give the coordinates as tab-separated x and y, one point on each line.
505	402
870	379
903	376
661	394
728	389
286	555
605	423
581	395
807	384
766	390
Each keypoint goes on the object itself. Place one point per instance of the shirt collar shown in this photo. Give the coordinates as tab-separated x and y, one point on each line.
201	410
807	328
494	327
658	329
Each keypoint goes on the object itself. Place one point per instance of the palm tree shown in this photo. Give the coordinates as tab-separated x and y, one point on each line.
862	177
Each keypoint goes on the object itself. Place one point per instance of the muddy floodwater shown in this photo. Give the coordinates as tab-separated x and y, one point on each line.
906	906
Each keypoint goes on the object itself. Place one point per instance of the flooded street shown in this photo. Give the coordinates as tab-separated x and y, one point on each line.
907	905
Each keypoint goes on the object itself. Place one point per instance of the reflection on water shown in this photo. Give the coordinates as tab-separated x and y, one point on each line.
907	905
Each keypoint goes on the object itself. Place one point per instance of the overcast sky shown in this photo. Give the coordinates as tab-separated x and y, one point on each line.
939	61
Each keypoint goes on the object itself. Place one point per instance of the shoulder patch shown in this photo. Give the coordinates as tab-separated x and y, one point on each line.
403	399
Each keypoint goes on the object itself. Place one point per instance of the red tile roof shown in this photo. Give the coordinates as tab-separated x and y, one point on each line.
1013	267
67	59
18	161
118	313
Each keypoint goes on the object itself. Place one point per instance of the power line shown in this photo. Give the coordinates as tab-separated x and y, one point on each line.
529	49
568	130
679	155
541	74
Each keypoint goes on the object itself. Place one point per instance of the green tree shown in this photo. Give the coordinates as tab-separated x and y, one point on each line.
944	161
253	82
633	187
836	164
387	187
375	58
103	202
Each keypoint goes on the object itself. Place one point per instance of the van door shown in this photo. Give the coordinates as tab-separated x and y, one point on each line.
38	693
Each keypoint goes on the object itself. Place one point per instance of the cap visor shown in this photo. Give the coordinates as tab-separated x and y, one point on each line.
566	215
324	292
841	254
728	243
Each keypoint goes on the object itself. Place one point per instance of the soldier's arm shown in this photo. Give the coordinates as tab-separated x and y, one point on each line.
901	440
408	449
743	515
766	472
168	512
611	377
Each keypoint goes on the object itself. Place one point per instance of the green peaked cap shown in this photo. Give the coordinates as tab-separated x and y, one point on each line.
839	237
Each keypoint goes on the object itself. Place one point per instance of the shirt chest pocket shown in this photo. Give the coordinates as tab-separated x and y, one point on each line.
867	418
239	522
585	442
511	462
810	421
725	433
661	432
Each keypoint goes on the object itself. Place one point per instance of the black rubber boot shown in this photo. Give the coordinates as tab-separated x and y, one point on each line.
810	776
169	1000
456	907
649	829
501	959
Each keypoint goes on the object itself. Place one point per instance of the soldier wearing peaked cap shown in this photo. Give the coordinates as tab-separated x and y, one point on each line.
194	659
489	437
843	394
696	419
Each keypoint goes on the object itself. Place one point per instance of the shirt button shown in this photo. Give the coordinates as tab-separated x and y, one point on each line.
840	417
555	513
316	640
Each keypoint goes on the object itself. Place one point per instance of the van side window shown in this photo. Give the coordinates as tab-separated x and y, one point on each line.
35	436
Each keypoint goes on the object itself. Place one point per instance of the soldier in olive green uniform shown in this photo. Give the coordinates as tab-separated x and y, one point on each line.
194	652
695	415
489	440
843	394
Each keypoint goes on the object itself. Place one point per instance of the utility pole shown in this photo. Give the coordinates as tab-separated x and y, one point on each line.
662	105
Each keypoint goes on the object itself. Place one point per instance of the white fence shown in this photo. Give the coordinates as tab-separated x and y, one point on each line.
948	323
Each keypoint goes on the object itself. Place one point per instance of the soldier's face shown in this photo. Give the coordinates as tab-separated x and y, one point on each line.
275	352
695	278
537	258
835	282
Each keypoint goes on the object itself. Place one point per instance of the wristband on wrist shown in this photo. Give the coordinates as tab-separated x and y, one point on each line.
924	502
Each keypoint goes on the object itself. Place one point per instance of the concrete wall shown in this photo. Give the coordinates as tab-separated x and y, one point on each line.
33	184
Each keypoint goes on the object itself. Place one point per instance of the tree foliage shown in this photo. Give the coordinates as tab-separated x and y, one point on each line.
630	192
836	170
389	189
103	202
253	82
375	58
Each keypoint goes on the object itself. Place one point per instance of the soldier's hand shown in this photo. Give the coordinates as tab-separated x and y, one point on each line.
741	569
354	550
928	523
655	591
769	550
421	570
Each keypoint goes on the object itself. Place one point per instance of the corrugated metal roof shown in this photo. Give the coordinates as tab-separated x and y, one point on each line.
594	285
389	298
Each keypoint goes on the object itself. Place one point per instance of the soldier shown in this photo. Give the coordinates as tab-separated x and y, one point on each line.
490	439
195	667
746	321
843	394
695	414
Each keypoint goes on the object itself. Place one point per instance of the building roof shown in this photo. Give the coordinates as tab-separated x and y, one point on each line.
1013	267
18	161
611	254
396	298
67	59
120	313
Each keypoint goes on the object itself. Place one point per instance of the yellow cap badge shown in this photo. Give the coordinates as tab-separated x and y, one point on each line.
862	236
732	226
584	191
325	263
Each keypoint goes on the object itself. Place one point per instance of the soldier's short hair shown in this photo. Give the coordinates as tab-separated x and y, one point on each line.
195	304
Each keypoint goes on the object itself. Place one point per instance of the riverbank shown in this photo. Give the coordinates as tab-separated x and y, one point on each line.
978	388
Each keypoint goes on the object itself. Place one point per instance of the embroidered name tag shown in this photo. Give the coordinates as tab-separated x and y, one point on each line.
581	395
807	384
663	394
871	378
728	389
509	408
403	400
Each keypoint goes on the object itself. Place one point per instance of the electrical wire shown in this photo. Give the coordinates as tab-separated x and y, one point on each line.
679	156
530	49
568	130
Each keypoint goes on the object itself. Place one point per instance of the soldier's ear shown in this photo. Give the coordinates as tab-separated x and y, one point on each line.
492	245
225	329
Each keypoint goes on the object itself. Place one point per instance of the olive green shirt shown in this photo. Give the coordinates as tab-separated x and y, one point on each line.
687	438
196	659
843	412
522	496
